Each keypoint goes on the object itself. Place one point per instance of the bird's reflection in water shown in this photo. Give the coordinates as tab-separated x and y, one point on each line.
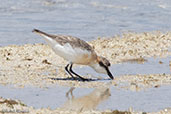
170	65
86	102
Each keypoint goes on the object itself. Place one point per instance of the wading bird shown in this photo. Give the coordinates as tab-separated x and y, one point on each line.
76	51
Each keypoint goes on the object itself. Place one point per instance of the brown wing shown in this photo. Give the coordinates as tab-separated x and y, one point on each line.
73	41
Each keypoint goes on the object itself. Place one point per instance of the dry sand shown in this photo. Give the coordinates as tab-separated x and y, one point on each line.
37	65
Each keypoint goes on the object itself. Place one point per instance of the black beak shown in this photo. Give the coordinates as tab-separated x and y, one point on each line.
109	73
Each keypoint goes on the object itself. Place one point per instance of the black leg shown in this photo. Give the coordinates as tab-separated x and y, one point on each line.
66	68
70	69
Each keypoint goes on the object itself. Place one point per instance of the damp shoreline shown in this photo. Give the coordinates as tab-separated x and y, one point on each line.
37	66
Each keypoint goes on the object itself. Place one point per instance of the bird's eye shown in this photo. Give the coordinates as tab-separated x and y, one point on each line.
109	64
101	64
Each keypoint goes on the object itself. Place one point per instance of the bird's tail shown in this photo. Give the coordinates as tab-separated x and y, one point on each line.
48	37
40	32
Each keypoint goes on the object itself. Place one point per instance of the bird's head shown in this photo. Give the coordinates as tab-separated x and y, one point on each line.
102	66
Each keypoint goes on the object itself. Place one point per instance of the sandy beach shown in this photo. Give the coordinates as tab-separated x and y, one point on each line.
37	65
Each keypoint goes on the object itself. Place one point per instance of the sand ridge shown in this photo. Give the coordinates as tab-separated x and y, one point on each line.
37	65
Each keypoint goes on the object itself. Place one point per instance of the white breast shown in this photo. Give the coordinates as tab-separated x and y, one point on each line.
98	68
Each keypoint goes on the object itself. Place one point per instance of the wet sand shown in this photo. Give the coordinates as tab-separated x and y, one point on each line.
16	106
38	66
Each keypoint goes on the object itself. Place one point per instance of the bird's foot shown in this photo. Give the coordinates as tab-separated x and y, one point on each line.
84	79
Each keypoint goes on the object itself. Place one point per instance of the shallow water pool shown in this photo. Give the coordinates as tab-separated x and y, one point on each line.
150	100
